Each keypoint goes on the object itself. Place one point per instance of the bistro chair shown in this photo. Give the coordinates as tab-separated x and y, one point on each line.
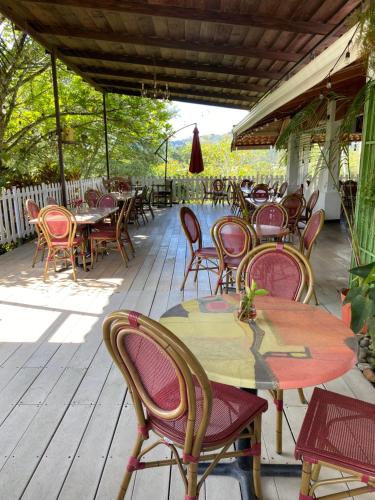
284	272
107	200
271	214
260	193
147	200
118	234
282	190
219	192
51	201
207	194
174	399
32	211
274	188
193	233
338	433
310	205
294	205
91	197
59	228
246	183
233	238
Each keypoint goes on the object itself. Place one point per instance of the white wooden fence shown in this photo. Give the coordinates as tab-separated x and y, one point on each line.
13	220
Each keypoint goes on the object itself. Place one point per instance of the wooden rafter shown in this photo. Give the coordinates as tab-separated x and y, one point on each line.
195	14
153	41
202	82
170	63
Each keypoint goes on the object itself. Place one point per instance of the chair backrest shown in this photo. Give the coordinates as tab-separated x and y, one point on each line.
294	205
271	214
191	227
204	187
350	188
107	201
274	187
299	190
311	232
91	197
32	209
51	200
246	183
280	269
233	237
161	373
283	188
218	185
260	192
312	201
57	224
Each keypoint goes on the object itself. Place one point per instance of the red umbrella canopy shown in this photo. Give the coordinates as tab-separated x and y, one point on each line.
196	159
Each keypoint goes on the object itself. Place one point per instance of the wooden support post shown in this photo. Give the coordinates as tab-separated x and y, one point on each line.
58	129
105	132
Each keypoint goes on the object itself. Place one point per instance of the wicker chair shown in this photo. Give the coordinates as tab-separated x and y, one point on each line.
173	398
310	205
219	192
282	190
338	433
107	200
271	214
284	272
51	201
117	234
233	238
246	183
32	211
260	193
207	194
193	233
294	205
274	188
59	228
91	197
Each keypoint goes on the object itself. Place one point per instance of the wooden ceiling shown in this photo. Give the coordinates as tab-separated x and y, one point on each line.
220	52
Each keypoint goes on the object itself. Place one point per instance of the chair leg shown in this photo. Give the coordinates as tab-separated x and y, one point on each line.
192	481
220	277
279	420
302	397
128	240
128	474
46	265
92	252
122	250
199	260
305	480
188	269
315	472
83	251
73	265
315	297
257	459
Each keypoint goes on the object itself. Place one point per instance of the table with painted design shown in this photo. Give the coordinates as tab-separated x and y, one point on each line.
289	346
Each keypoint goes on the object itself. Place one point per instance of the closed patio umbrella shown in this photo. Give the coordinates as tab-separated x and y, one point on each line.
196	159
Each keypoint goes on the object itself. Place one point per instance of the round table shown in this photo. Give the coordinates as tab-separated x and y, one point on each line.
265	231
290	345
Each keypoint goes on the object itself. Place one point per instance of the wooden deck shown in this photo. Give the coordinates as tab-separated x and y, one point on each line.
66	423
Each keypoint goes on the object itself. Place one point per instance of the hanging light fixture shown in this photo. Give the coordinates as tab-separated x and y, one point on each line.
156	91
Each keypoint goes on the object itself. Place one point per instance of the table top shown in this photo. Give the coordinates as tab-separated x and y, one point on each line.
125	195
266	231
88	215
290	345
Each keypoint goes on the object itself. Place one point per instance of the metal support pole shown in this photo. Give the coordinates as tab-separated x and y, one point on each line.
105	132
58	129
166	165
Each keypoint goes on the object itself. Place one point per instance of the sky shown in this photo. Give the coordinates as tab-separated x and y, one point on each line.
209	119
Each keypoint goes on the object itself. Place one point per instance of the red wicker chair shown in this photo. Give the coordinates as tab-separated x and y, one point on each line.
338	433
107	201
207	194
310	205
271	214
282	190
284	272
59	230
193	233
219	192
174	399
91	197
260	193
32	211
233	238
294	205
246	183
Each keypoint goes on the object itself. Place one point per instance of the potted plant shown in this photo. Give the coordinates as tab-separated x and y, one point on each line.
361	297
247	309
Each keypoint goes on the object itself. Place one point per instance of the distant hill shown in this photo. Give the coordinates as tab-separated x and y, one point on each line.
211	138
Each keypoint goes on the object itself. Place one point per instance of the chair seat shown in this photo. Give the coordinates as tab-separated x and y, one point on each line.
207	252
232	408
339	430
64	243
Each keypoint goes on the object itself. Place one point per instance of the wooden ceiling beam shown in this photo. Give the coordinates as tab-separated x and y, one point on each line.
194	14
200	82
168	43
170	63
173	90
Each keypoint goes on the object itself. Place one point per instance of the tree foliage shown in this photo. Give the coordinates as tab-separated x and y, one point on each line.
28	146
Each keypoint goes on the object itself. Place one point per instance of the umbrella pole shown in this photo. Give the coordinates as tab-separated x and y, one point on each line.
166	165
58	129
105	133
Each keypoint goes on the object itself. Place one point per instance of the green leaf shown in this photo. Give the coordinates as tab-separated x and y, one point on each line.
364	271
362	309
352	293
261	291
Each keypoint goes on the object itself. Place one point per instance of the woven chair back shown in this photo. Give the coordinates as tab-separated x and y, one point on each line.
283	188
233	237
58	225
91	197
260	192
294	205
311	232
218	185
280	269
191	226
32	209
107	201
271	214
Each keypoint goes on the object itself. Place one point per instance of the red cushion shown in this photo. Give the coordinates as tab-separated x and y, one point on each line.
207	252
232	409
64	243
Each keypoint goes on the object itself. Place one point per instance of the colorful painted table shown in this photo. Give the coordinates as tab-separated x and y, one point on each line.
290	345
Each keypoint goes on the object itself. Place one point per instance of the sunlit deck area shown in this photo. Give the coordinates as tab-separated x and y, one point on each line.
66	421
